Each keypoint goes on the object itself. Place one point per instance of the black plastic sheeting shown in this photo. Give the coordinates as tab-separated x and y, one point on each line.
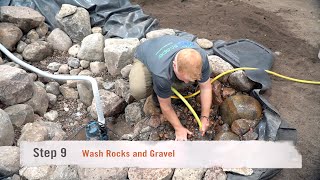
118	18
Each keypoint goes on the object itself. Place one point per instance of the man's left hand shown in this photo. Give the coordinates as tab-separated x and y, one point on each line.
205	125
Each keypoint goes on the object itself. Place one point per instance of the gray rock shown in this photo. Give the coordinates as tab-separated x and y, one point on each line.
73	62
54	66
6	129
242	171
126	71
133	113
240	81
15	177
218	66
68	93
111	104
118	53
108	85
52	99
19	56
73	51
204	43
188	174
85	93
39	83
24	17
15	85
250	135
59	40
159	33
9	35
33	35
215	173
35	173
148	173
39	101
20	47
51	115
20	114
103	173
92	48
1	61
75	23
75	71
97	67
63	69
9	160
64	173
122	88
96	30
53	88
84	63
85	73
37	51
226	136
42	29
33	76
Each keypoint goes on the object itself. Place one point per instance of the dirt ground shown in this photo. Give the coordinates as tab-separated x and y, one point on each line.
290	27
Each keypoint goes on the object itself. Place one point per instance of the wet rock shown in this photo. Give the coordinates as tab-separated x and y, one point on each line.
15	85
51	115
33	35
20	114
112	104
103	173
240	81
154	121
6	129
73	51
9	160
84	63
68	93
154	135
96	30
85	93
148	173
42	29
75	22
227	92
73	62
54	66
97	67
216	93
240	107
133	113
215	173
218	66
37	51
149	108
92	48
159	33
20	47
126	71
63	69
39	101
33	173
242	171
224	128
226	136
240	127
23	17
250	135
204	43
188	173
118	53
9	35
59	40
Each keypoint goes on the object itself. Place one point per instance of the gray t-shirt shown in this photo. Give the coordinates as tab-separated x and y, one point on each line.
157	55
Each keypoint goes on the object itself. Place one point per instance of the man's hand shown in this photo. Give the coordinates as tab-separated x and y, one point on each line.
182	133
205	125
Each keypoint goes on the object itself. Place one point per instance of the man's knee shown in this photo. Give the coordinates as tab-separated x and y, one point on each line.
140	81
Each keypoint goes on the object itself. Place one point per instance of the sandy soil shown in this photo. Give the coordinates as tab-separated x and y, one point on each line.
290	27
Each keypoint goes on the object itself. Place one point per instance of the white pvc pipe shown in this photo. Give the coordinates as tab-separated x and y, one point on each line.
93	82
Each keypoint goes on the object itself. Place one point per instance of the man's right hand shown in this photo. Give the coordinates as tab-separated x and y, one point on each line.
182	133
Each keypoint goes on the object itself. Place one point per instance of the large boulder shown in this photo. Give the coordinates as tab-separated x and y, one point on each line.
118	53
9	35
240	81
15	85
159	33
103	173
23	17
39	101
148	173
6	129
240	107
218	66
20	114
37	51
92	48
75	21
59	40
9	160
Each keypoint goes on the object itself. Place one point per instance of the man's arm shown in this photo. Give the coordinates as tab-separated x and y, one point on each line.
169	113
206	100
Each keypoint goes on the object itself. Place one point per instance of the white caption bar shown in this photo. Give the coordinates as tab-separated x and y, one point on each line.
161	154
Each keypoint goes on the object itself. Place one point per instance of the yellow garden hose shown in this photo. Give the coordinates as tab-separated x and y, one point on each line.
183	98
